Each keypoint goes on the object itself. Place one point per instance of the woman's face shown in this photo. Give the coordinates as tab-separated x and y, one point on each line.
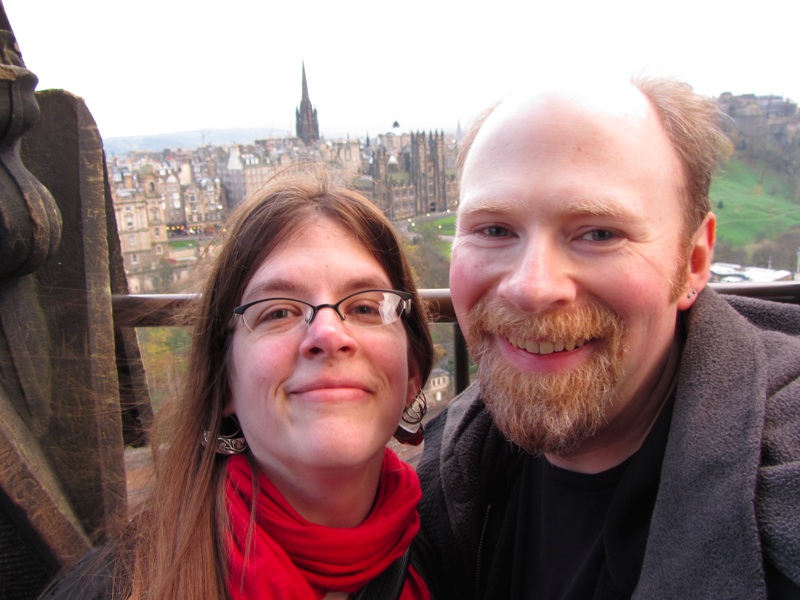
327	396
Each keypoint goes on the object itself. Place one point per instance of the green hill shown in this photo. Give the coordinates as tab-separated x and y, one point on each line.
752	204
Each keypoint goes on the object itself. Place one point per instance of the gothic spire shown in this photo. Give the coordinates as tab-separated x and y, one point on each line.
306	116
305	85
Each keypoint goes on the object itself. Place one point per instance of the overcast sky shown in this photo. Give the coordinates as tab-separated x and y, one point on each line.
160	66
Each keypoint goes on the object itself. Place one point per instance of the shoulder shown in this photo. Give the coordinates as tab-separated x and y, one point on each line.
91	578
457	439
774	334
750	349
466	460
726	334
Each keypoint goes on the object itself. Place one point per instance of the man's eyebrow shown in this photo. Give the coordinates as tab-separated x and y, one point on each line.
596	207
602	207
488	206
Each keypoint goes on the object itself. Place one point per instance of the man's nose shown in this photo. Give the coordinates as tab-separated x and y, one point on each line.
542	277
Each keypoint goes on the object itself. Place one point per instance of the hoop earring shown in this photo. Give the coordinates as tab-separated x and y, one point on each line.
413	415
227	444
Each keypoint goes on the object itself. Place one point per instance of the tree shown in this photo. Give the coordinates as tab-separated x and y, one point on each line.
428	255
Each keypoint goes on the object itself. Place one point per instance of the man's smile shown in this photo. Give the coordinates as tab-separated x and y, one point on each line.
546	347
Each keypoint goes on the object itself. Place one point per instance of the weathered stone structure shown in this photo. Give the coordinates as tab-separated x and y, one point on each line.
72	390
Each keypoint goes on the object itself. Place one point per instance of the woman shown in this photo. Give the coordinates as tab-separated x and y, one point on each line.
272	477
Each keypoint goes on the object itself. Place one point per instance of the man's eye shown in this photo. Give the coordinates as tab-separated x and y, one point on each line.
495	231
599	235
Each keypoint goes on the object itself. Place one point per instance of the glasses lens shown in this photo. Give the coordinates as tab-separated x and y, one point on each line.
372	308
276	316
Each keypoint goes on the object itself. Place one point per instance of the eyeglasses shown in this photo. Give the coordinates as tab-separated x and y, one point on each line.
281	316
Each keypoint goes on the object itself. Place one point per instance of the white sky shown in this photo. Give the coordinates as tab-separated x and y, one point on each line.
159	66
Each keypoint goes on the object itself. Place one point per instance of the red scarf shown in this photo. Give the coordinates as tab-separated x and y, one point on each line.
291	557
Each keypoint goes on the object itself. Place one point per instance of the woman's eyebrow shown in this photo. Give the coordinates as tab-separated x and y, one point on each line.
271	287
285	287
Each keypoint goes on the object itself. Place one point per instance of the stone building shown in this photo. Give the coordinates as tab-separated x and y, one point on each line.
411	174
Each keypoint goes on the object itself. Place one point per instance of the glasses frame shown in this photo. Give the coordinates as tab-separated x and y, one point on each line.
406	305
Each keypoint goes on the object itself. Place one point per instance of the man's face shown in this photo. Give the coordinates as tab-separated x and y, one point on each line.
566	269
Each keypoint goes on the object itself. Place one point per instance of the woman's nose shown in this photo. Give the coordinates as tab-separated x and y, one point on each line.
327	333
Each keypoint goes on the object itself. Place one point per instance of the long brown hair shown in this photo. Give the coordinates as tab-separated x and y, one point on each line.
174	546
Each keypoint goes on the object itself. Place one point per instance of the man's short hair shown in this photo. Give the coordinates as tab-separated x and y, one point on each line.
692	123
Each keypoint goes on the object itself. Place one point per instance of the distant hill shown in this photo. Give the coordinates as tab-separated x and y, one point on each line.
188	139
753	202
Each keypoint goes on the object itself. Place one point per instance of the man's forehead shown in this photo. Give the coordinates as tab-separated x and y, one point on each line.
615	100
586	145
617	119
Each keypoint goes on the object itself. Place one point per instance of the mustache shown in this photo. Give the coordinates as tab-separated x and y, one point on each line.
583	321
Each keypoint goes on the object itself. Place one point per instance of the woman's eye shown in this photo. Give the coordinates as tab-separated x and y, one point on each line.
364	309
599	235
274	315
278	313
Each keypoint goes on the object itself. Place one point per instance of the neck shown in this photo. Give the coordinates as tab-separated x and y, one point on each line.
627	429
331	497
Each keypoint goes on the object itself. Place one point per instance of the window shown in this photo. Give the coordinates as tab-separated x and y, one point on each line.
132	239
135	259
159	249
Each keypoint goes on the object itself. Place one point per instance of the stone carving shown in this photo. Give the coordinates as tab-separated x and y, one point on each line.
72	389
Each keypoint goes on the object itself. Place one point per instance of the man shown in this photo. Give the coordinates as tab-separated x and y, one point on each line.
632	433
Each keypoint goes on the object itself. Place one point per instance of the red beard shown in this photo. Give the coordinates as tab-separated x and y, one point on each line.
547	412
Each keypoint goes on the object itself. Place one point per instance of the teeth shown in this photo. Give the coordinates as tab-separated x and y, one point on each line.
547	347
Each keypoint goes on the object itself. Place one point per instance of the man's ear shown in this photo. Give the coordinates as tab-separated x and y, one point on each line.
699	256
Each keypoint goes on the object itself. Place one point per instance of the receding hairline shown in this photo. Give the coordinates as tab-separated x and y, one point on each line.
690	122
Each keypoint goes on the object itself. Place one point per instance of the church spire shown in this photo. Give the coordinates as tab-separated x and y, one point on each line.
306	116
305	85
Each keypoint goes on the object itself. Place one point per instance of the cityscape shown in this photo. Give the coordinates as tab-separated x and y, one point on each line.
171	204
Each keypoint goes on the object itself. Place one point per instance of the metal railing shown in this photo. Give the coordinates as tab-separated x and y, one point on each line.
160	310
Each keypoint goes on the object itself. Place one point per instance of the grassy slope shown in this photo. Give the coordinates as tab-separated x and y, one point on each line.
751	210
